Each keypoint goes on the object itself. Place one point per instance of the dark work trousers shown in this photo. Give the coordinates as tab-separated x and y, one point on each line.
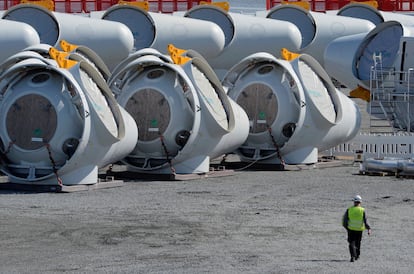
354	240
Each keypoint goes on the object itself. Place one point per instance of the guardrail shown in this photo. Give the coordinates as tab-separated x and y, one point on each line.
85	6
324	5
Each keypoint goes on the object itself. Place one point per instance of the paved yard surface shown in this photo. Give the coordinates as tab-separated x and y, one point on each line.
250	222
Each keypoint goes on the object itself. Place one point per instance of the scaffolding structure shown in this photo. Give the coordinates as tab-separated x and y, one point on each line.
324	5
391	98
86	6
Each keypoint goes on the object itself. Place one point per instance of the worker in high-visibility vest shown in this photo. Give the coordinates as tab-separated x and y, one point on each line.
355	222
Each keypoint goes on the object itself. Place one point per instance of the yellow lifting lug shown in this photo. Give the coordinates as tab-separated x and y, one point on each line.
53	53
48	4
302	4
139	4
179	59
172	49
223	5
373	4
361	93
288	55
177	55
66	46
60	58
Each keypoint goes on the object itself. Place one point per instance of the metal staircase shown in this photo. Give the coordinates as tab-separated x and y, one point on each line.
390	99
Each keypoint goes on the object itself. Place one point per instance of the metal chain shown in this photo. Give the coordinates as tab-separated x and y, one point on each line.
276	146
167	154
8	148
3	155
59	180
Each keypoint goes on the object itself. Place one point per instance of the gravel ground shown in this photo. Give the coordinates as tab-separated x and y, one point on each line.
250	222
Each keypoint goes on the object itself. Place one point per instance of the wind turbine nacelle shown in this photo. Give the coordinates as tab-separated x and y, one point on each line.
340	59
318	29
183	115
157	30
15	36
112	41
367	12
245	35
293	109
383	41
58	126
328	105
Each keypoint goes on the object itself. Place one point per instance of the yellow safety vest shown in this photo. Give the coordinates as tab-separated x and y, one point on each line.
356	218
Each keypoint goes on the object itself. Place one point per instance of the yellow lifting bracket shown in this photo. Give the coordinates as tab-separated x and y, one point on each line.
302	4
373	4
48	4
177	55
288	55
66	46
361	93
224	5
139	4
61	59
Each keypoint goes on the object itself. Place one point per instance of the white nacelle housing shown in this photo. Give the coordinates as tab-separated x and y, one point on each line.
58	126
157	30
245	35
318	29
112	41
351	58
367	12
183	115
293	109
339	59
15	36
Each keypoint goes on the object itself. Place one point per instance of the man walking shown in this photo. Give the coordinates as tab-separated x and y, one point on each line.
355	222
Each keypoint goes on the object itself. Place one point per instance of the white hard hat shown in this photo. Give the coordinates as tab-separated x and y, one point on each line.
357	198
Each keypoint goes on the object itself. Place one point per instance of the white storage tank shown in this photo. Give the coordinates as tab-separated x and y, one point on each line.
112	41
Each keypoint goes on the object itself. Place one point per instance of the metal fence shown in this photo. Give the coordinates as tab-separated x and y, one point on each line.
324	5
85	6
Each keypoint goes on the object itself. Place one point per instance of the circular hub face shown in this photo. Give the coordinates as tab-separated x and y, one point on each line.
31	121
151	112
260	104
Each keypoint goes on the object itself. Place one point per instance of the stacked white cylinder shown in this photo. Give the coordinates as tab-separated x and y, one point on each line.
15	36
112	41
319	29
351	58
266	87
157	30
346	119
81	127
245	35
303	113
367	12
340	59
194	122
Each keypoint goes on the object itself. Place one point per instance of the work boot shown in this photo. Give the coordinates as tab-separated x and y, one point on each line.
357	257
352	260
